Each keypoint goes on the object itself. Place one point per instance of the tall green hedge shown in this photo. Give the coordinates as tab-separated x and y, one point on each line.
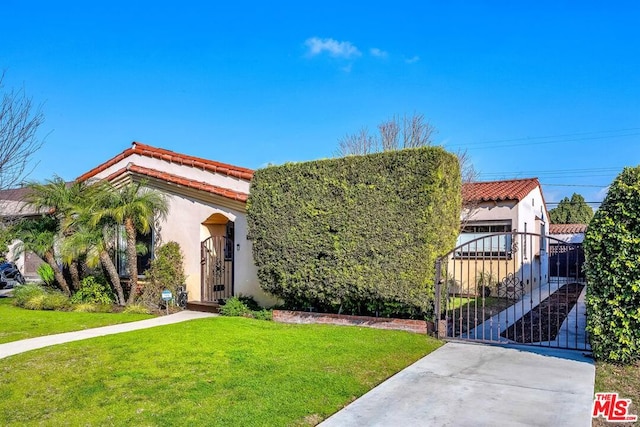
612	250
356	234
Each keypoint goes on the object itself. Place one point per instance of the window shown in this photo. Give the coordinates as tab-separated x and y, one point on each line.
228	245
144	259
483	238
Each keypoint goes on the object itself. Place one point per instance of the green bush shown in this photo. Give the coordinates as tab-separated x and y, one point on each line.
87	307
358	234
612	267
94	291
234	307
22	294
262	314
35	297
246	307
46	274
136	309
166	272
250	302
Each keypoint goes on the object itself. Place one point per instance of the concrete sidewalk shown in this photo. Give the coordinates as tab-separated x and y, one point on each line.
464	384
16	347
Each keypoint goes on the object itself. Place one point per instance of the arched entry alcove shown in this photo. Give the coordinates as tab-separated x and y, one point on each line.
216	258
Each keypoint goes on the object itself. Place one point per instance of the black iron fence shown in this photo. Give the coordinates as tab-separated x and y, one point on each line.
509	288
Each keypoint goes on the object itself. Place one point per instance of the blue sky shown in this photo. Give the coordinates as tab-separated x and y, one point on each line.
548	89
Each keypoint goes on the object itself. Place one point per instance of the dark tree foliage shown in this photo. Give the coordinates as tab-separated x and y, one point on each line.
571	211
358	234
612	250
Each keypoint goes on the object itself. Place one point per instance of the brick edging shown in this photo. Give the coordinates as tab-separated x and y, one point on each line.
304	317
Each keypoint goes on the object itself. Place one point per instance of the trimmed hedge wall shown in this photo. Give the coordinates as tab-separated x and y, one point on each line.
612	250
358	234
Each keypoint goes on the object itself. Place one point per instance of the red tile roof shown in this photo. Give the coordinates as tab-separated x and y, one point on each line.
567	228
173	157
181	181
513	189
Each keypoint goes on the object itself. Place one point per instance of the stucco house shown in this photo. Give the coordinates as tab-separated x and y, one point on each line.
501	209
207	217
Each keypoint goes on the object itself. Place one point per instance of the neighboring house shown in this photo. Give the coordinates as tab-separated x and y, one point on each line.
13	208
207	218
566	256
500	208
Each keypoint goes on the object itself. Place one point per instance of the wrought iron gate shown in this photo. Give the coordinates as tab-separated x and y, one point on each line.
505	288
216	259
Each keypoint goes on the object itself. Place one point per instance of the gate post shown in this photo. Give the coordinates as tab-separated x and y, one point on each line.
437	297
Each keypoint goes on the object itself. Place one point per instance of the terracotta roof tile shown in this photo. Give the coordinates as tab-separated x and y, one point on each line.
171	156
178	180
514	189
567	228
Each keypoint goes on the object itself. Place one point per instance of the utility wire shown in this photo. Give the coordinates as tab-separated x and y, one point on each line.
563	138
574	185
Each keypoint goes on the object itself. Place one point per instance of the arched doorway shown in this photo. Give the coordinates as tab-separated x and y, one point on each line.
216	259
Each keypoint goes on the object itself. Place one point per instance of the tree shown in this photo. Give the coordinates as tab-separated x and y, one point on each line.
61	198
19	124
38	235
135	208
393	134
92	243
571	211
398	133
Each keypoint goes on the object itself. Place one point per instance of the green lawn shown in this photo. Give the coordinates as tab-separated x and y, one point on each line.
624	380
217	371
18	323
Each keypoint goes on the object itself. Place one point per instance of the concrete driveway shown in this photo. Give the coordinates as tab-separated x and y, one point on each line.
464	384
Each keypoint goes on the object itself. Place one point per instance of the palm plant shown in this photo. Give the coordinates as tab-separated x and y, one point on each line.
91	242
59	199
38	235
134	207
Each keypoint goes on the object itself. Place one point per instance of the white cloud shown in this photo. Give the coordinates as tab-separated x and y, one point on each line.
412	60
378	53
334	48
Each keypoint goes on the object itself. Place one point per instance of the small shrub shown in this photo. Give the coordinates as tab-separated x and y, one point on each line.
55	300
36	302
22	294
87	307
250	302
136	309
36	297
46	274
234	307
263	314
166	272
93	290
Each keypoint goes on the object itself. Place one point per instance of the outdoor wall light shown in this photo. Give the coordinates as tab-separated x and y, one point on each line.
238	247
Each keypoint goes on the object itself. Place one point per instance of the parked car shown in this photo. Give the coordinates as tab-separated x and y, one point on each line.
10	275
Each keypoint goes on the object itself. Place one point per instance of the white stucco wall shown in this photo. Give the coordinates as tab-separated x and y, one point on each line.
184	224
494	211
569	238
529	208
